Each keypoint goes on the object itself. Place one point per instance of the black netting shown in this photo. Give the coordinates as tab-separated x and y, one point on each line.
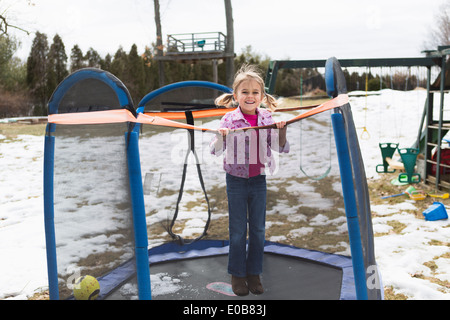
92	204
304	206
93	218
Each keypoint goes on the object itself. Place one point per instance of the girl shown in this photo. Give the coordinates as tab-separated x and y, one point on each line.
246	156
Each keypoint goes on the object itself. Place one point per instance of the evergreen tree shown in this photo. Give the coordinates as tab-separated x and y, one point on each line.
76	59
151	81
37	72
93	59
136	75
105	64
119	64
57	63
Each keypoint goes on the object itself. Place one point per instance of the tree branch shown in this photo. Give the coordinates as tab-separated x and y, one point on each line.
4	26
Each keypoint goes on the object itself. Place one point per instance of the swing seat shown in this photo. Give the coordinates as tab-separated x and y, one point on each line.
409	157
387	151
393	164
200	43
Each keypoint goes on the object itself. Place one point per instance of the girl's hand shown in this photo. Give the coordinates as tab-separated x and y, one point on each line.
224	131
281	124
283	129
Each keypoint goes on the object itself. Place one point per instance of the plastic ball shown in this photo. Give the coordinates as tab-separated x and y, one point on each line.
86	288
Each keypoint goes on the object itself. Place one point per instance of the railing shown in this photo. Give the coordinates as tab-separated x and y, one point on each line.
196	42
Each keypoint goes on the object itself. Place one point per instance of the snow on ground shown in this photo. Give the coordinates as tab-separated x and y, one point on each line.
403	259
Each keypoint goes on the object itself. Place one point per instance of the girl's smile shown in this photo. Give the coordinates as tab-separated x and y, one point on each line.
249	96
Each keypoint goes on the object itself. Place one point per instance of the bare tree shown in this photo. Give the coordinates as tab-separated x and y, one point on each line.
5	22
439	35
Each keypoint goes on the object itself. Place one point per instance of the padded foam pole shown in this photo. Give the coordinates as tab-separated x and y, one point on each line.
350	206
139	221
49	219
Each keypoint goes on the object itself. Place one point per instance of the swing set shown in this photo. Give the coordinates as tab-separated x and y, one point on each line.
430	131
430	134
408	155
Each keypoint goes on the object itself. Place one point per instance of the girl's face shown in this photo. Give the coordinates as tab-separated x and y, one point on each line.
249	96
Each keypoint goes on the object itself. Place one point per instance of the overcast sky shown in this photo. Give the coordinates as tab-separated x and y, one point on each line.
278	29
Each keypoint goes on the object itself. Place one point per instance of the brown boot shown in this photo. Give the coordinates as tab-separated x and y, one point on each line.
254	284
239	286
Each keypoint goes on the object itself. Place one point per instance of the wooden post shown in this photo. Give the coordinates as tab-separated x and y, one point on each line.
229	45
215	73
159	44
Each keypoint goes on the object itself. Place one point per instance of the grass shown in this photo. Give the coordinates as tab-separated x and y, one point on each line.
296	102
389	294
383	187
12	130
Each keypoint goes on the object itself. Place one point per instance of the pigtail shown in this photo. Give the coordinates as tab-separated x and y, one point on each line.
225	100
247	72
270	102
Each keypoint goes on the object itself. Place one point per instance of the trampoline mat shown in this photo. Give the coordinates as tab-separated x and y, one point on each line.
283	278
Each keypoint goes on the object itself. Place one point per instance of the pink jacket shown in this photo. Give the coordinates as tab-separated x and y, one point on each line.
239	147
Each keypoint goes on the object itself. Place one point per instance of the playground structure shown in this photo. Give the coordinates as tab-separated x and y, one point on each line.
112	175
431	130
197	48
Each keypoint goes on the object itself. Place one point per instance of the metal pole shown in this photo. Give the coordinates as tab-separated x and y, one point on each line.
441	113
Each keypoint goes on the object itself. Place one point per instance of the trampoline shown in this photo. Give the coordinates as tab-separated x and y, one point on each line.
144	218
193	274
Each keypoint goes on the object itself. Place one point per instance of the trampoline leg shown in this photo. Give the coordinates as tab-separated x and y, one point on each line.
350	206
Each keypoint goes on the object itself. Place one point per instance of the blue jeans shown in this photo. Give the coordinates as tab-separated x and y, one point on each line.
246	203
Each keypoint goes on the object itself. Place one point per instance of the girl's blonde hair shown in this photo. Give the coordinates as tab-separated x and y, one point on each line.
247	72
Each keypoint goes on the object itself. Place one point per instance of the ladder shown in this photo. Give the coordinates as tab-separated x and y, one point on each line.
435	129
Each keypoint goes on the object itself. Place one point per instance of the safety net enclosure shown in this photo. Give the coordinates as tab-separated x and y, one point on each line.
89	225
172	194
